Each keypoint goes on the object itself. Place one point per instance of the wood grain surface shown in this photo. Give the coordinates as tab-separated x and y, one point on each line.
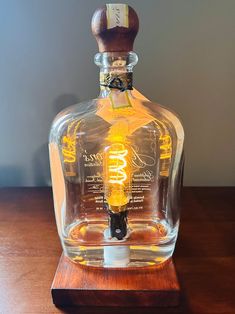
204	256
152	286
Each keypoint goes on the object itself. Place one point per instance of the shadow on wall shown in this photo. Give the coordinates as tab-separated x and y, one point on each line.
41	166
64	101
40	159
11	176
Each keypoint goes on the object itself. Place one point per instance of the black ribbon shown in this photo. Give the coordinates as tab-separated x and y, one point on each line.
118	83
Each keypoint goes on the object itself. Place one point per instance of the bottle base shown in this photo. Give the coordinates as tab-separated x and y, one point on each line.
121	256
158	243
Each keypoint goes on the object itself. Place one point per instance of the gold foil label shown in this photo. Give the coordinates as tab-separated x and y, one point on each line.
117	15
121	81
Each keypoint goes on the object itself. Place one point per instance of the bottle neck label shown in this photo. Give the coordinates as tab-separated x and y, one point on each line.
121	81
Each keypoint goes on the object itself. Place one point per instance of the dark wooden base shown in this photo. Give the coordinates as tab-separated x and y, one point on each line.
87	286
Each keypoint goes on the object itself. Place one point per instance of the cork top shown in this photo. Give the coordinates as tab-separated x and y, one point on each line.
115	27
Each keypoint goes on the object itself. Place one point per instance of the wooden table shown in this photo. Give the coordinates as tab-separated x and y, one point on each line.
204	256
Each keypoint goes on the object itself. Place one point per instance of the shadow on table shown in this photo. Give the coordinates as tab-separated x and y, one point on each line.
182	309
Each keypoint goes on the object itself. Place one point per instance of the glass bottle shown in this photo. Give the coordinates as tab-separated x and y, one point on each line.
116	161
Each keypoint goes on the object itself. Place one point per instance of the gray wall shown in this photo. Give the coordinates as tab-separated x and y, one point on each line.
187	53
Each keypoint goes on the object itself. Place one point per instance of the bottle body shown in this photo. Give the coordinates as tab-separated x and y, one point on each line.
116	165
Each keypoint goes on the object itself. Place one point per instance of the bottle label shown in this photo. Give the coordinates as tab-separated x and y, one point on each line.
117	15
121	81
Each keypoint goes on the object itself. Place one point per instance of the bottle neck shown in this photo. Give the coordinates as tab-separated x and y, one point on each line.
116	71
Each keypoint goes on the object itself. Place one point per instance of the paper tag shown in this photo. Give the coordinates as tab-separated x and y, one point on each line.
117	15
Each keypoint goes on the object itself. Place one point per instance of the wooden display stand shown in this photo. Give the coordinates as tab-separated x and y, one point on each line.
88	286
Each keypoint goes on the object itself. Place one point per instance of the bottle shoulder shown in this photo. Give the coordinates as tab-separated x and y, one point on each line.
80	117
164	115
161	113
99	114
75	110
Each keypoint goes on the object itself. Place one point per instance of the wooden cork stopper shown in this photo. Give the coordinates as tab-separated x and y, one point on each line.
115	27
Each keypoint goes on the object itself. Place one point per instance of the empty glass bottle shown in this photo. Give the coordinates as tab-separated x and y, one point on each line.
116	162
